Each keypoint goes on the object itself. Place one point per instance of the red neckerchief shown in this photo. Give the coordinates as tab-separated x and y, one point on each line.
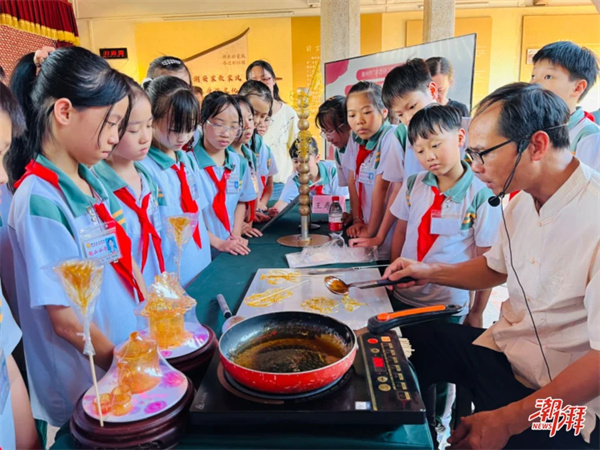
124	265
360	159
219	202
425	239
148	230
317	189
188	204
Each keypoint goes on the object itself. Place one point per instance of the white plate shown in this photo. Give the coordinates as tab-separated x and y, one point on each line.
147	404
198	338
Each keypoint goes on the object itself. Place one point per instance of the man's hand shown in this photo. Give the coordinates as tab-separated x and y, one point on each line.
485	430
474	319
403	267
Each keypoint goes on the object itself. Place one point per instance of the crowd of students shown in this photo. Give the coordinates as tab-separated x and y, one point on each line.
88	152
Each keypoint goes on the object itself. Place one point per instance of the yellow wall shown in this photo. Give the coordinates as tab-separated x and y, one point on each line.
370	33
275	39
268	39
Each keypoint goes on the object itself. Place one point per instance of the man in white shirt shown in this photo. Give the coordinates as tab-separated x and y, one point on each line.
547	341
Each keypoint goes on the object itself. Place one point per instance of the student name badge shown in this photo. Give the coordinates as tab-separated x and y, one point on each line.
366	175
4	381
255	183
233	184
444	224
100	244
191	179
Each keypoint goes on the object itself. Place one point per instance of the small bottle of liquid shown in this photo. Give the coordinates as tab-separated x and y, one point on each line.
336	226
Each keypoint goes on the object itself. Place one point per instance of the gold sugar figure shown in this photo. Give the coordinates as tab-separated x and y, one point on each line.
321	305
276	276
138	366
180	229
165	309
351	304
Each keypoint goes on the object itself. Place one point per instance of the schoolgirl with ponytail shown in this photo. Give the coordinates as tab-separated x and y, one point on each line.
76	108
175	110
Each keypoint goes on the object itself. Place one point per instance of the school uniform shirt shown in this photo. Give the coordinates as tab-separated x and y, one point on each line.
252	161
465	221
47	226
410	163
327	184
265	162
238	188
339	157
7	268
555	253
10	335
384	158
584	136
280	137
194	257
114	183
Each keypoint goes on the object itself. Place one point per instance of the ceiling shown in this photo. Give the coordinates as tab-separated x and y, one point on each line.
163	10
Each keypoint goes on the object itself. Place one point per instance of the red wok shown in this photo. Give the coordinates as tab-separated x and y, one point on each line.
288	352
293	352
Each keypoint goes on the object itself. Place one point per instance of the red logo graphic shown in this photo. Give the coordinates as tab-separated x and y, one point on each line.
553	416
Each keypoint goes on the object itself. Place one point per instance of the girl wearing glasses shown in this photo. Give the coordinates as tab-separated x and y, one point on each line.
224	175
283	127
175	111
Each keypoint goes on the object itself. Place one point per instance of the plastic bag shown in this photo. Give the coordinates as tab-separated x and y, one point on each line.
333	252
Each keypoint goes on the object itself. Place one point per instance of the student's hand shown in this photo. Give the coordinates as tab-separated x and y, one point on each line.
346	219
403	267
235	246
357	229
261	217
485	430
41	55
261	205
364	242
474	319
273	212
247	230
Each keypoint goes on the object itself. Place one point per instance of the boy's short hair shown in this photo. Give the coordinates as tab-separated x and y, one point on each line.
432	119
580	62
313	149
410	77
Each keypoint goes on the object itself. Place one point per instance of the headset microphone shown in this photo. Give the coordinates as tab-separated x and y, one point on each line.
497	199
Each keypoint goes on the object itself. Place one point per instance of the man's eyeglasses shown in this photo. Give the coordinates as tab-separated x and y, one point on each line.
222	129
477	157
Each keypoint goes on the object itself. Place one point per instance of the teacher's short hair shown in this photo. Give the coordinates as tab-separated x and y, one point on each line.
527	108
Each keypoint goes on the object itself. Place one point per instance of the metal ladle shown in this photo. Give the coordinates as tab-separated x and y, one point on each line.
339	287
230	319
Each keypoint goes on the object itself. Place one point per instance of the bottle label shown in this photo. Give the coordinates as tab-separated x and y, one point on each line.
336	226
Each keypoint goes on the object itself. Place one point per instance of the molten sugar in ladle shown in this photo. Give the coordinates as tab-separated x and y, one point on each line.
337	286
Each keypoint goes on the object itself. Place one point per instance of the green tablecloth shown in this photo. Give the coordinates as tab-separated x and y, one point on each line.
231	276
